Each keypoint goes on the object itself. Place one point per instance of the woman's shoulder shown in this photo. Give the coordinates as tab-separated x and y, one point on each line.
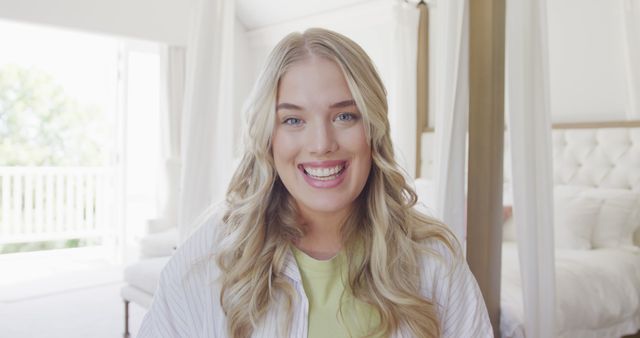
439	246
448	281
184	302
196	255
440	256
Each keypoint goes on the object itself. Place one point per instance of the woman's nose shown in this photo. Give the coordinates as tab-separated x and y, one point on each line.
322	139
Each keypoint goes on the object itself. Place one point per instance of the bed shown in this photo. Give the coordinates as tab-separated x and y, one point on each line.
596	225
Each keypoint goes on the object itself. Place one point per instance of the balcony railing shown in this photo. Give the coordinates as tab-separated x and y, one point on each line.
54	203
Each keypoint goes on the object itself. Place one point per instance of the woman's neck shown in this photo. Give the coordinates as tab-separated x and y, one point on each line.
322	233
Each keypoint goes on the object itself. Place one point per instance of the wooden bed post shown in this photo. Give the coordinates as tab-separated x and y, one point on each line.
422	82
126	319
486	138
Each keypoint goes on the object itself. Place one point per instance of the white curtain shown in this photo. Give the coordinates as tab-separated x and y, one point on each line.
530	138
207	129
173	75
631	22
402	89
452	113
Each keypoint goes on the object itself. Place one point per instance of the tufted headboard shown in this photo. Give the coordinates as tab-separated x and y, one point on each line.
605	155
597	157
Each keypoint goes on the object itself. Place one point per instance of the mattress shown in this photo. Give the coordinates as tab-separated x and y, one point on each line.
597	293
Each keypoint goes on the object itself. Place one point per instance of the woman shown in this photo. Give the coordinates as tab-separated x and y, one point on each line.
319	236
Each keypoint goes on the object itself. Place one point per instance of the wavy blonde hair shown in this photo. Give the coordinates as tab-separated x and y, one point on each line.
384	228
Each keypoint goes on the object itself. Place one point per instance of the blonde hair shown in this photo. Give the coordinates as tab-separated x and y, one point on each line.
384	228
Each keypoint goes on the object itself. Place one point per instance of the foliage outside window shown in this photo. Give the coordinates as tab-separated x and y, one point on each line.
40	125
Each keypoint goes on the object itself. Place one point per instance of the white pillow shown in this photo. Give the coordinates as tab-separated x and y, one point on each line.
575	217
618	217
159	244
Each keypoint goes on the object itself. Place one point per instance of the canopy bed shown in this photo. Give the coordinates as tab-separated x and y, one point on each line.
596	171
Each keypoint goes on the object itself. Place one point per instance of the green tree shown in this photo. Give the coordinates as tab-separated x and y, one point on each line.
41	125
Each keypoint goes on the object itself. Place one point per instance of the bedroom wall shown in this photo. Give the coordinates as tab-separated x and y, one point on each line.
157	20
587	70
585	39
367	24
586	60
370	24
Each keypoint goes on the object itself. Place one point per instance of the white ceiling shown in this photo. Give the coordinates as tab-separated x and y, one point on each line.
260	13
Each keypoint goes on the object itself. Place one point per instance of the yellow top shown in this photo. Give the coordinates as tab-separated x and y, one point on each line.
324	284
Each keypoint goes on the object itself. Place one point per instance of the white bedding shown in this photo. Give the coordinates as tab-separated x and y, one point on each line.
597	293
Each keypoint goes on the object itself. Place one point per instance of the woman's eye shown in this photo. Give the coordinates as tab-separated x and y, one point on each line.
345	117
292	121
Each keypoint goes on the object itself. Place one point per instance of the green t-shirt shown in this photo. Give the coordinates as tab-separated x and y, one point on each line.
324	284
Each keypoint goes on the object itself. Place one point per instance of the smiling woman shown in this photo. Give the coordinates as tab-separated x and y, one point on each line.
320	236
320	150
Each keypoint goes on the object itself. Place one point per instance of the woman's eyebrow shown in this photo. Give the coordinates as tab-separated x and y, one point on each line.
289	106
343	104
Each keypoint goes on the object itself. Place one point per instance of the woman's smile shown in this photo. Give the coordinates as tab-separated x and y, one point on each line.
324	174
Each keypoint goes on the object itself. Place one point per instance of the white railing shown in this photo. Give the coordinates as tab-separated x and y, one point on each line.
50	203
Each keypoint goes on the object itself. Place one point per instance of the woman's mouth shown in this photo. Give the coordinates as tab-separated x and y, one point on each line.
324	174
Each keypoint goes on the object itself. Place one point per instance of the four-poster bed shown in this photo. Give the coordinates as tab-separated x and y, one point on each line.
596	169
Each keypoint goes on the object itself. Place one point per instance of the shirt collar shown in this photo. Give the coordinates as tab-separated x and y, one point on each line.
291	269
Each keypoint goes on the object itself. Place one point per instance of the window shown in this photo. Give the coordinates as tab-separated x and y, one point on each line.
79	138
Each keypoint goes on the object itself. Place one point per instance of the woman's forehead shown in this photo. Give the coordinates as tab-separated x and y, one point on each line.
313	81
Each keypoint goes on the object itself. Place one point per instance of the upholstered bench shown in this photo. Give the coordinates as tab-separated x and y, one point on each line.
142	277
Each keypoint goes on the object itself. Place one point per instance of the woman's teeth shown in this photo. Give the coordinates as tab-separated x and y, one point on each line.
324	173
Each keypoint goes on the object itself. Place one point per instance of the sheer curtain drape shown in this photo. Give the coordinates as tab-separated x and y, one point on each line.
452	113
207	129
173	73
530	138
631	22
402	89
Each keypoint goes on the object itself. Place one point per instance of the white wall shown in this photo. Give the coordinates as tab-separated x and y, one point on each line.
157	20
364	23
585	40
586	60
372	25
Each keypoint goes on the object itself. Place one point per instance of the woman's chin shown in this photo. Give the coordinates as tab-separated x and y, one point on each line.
328	207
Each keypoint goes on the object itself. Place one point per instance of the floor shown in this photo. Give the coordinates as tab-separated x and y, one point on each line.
74	294
56	295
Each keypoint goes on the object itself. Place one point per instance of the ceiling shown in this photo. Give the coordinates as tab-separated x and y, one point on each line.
256	14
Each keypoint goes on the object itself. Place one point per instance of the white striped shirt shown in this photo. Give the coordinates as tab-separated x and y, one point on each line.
187	301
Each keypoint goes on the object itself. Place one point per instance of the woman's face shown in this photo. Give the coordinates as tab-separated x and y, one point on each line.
319	143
